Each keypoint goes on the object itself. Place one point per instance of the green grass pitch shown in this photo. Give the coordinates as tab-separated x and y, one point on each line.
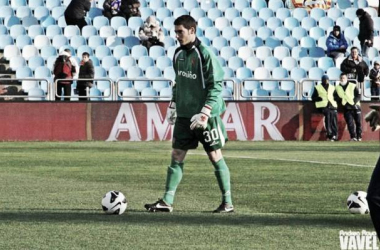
287	195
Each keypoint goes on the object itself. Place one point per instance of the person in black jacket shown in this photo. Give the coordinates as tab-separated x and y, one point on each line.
354	66
130	8
365	30
76	11
111	8
86	70
374	75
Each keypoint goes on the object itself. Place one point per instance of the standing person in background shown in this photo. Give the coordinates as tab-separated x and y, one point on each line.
63	69
374	75
336	44
74	63
195	111
76	11
365	30
86	71
354	66
325	97
350	99
130	8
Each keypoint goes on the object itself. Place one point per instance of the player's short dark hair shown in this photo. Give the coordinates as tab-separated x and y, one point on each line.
86	54
352	48
186	21
343	74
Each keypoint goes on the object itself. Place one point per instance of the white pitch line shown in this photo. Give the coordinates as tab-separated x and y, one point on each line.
290	160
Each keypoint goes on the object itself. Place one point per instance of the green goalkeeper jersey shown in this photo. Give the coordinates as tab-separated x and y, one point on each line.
198	80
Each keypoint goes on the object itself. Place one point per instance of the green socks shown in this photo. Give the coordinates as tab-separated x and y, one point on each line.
222	174
173	178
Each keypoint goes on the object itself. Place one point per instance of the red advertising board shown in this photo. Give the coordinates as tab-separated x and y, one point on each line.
145	121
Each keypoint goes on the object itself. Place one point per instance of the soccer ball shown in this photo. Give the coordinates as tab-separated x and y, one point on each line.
114	202
357	203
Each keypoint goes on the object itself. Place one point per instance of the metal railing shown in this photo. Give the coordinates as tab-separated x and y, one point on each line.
88	95
119	95
32	82
242	96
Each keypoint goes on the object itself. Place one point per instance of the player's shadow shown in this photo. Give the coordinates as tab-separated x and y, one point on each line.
139	217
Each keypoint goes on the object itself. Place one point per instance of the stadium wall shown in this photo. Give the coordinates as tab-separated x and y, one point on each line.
145	121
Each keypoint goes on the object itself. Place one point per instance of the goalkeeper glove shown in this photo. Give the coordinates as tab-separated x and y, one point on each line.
171	114
374	120
200	120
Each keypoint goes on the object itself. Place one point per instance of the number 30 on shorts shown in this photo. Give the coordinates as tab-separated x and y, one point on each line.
211	135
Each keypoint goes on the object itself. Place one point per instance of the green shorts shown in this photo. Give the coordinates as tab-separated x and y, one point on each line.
212	138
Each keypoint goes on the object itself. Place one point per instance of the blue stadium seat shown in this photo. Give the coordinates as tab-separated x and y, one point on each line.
29	21
120	50
271	63
16	62
238	23
275	5
163	62
156	51
169	73
227	52
3	30
53	30
18	3
248	13
108	62
261	73
231	13
35	30
173	4
297	74
219	42
95	94
279	94
95	61
197	13
222	22
118	21
23	40
273	23
50	62
272	42
325	63
281	52
47	21
317	13
252	85
300	13
71	30
189	5
243	73
102	51
281	33
41	12
33	4
280	73
23	11
229	32
99	72
17	30
36	61
61	22
163	13
36	94
316	52
299	52
228	72
131	41
24	72
325	23
288	86
139	51
145	61
308	23
290	42
153	72
6	40
351	32
130	94
245	52
4	2
258	5
316	33
334	13
350	13
155	5
95	41
299	32
94	12
124	31
260	94
100	21
84	48
106	31
88	31
145	13
263	33
266	13
343	4
256	23
116	72
372	53
212	32
6	11
235	62
283	13
270	85
334	73
59	41
291	23
113	41
135	22
214	13
29	51
223	5
308	42
289	63
255	42
180	12
77	41
48	51
42	72
322	43
315	73
237	42
58	11
149	94
344	22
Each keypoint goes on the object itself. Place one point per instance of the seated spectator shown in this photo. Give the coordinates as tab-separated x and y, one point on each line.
354	66
86	71
151	33
76	11
130	8
374	75
111	8
336	44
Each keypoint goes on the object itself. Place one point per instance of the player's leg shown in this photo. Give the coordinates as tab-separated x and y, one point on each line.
213	139
373	197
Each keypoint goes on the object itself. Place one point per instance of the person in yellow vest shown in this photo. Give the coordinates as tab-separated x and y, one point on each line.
325	97
350	98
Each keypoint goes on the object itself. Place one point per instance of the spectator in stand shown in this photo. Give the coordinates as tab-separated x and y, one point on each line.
325	98
63	69
365	30
130	8
111	8
74	63
354	66
76	11
151	33
86	71
374	75
336	44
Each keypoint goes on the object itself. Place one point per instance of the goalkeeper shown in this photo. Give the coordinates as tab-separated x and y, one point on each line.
194	110
373	193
